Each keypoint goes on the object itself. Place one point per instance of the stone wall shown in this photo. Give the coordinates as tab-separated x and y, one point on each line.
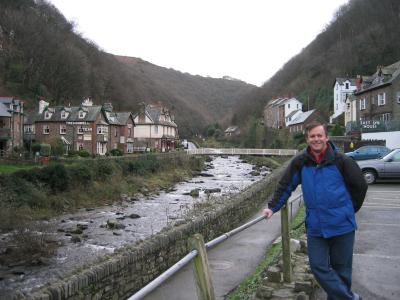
125	272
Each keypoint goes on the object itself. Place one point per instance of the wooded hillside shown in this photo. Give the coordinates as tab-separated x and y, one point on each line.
42	56
362	35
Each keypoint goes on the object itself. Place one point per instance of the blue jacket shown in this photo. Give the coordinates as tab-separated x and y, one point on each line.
332	191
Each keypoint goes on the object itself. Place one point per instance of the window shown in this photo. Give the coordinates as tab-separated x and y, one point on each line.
385	117
64	114
79	146
129	131
129	147
28	129
63	129
348	106
398	97
115	132
101	129
381	99
156	129
347	85
81	114
46	129
288	106
81	130
362	104
47	115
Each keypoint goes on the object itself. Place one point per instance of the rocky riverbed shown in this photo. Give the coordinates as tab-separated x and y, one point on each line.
87	235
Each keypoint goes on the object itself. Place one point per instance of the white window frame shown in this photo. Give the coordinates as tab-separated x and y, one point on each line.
80	130
63	129
381	99
385	117
46	129
155	128
81	114
47	115
363	104
101	129
64	114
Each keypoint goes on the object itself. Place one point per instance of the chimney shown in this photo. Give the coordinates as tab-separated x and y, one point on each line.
42	105
358	82
108	107
87	102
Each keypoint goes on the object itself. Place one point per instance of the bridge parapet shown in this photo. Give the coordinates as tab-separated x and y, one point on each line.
240	151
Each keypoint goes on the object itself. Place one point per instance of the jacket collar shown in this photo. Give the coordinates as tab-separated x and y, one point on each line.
328	157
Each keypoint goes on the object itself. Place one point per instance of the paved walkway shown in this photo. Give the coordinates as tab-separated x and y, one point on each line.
231	262
376	272
376	267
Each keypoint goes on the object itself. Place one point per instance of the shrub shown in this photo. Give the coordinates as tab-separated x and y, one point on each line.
83	153
103	169
45	150
116	152
80	174
55	177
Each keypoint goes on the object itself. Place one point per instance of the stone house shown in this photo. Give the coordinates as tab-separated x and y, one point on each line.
278	110
90	127
121	129
378	96
155	128
342	89
301	120
11	124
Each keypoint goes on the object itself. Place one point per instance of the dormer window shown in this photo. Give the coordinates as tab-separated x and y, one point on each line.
47	115
81	114
64	114
347	85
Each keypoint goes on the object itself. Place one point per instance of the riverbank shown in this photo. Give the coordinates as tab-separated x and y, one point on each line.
39	194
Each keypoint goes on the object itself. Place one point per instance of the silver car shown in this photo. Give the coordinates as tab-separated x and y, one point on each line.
386	167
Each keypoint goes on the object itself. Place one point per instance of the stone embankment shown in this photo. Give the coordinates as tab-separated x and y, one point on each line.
120	275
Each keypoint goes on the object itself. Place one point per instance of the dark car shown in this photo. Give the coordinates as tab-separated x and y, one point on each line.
368	152
387	167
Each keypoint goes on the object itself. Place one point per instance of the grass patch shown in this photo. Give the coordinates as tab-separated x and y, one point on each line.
246	289
5	169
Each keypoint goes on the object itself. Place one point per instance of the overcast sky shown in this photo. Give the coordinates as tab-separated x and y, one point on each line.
245	39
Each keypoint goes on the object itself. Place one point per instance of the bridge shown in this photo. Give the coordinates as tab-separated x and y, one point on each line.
240	151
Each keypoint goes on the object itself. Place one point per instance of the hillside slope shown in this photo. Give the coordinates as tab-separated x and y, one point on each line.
362	35
42	56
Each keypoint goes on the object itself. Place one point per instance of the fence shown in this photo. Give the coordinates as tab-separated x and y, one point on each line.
239	151
199	254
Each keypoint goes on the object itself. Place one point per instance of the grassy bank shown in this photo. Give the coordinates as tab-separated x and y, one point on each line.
60	187
246	289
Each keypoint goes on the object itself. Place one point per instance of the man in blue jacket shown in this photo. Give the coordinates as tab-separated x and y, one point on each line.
333	189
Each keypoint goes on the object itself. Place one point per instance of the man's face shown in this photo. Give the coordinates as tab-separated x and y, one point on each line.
317	139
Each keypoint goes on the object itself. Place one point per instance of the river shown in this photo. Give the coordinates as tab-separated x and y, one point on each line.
132	219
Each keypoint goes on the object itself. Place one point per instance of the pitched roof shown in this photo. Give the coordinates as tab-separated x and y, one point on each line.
73	114
155	113
341	81
382	77
4	111
301	118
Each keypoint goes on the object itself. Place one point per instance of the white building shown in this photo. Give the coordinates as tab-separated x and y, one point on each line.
155	128
342	89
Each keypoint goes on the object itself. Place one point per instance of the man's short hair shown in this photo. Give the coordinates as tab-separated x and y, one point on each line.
312	125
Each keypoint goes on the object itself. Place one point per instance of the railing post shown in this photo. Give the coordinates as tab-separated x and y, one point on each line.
205	289
286	253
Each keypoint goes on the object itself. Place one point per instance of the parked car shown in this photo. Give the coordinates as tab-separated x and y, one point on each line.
386	167
368	152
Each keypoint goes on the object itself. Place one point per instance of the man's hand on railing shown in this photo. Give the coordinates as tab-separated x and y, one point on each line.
267	212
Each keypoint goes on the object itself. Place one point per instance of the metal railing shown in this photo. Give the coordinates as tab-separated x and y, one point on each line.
150	287
239	151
